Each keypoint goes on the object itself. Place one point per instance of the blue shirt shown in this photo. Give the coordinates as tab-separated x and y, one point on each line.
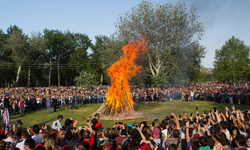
48	103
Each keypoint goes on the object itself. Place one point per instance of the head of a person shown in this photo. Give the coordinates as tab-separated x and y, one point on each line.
54	134
195	141
79	147
123	132
210	142
240	140
97	116
40	147
36	129
248	142
223	125
135	135
176	133
217	136
172	147
66	147
11	134
105	133
45	135
144	146
203	141
156	133
49	144
107	146
235	131
68	122
129	130
185	115
69	135
29	144
25	135
3	144
113	133
60	117
86	134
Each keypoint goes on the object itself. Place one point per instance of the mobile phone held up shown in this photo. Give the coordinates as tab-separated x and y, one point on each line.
87	120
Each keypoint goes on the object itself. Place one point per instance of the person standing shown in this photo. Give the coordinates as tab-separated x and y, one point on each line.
95	120
33	102
21	104
48	104
73	103
54	103
66	103
43	102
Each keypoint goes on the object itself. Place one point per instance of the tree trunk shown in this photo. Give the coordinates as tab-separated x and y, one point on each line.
36	82
101	78
49	71
28	84
18	74
58	71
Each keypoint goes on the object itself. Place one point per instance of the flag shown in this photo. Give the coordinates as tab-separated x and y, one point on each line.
6	119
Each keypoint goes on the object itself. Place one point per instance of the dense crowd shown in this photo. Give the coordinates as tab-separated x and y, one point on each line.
201	131
20	99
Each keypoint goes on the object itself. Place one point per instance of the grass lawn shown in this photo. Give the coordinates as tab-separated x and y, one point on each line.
152	111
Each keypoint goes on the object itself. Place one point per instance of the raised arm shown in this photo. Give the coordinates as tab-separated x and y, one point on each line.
177	121
75	122
208	132
187	131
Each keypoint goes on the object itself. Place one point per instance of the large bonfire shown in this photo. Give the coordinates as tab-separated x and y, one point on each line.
119	99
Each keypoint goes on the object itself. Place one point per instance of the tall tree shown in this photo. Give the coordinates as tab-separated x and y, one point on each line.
170	28
79	59
232	61
17	44
59	44
5	60
36	52
105	52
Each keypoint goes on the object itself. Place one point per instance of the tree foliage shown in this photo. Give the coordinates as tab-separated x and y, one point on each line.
86	80
172	31
232	61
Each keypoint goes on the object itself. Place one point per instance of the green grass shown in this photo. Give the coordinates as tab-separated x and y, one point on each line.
152	111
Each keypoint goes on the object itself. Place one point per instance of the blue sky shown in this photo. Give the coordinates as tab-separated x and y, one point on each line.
222	18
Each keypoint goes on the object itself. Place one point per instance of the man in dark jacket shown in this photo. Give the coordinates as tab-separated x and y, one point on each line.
73	103
54	103
33	102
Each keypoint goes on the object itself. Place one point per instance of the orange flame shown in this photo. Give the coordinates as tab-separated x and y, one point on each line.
119	97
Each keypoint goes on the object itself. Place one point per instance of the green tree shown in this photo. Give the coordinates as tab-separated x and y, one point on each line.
6	72
36	52
105	52
232	61
60	46
17	45
80	59
86	79
172	31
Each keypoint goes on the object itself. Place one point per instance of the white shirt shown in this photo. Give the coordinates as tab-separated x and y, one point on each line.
158	141
227	134
37	138
20	145
58	124
165	132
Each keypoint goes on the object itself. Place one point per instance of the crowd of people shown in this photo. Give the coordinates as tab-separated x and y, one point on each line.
20	99
201	131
